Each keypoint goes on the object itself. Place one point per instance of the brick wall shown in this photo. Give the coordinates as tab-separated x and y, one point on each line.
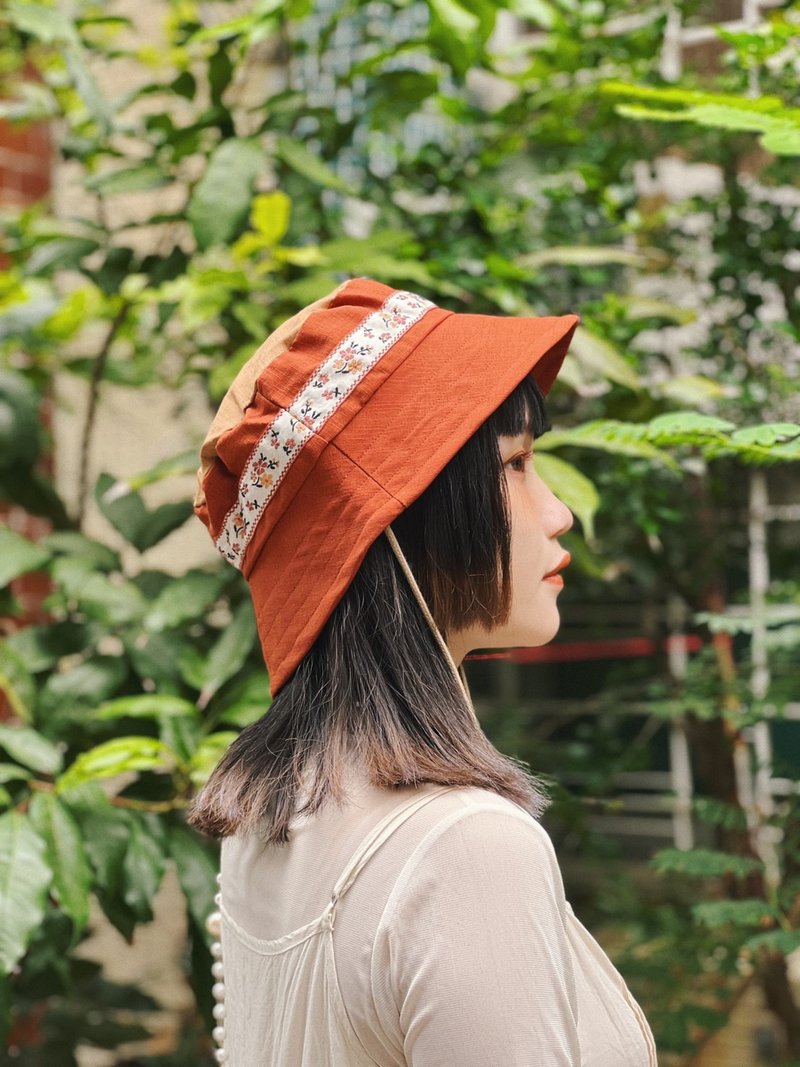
25	163
26	158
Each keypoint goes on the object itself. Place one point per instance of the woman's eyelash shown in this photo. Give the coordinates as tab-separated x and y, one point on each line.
521	458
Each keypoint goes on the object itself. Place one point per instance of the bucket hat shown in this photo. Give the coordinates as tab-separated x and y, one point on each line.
337	423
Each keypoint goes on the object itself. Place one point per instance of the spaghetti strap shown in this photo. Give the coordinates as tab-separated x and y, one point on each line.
376	837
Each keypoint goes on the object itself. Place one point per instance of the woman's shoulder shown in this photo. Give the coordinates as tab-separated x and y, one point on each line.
479	830
473	857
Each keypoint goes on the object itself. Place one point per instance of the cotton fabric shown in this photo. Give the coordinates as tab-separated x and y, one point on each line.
336	425
422	927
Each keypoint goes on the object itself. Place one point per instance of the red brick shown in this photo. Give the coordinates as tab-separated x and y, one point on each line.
25	163
36	186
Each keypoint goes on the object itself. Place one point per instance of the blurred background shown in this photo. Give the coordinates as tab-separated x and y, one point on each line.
177	178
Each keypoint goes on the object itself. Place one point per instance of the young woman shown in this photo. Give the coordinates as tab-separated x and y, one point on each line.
387	894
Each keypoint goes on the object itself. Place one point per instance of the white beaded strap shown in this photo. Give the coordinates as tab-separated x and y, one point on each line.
460	674
214	927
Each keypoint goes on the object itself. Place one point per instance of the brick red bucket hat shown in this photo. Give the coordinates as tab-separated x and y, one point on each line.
337	423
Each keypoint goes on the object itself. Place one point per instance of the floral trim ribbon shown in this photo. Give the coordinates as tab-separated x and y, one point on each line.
330	385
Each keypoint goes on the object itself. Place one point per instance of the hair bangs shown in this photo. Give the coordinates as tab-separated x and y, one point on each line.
524	411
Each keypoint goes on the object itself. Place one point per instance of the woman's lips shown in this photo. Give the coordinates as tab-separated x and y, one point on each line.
553	575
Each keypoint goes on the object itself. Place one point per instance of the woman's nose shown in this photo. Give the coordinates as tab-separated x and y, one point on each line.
559	517
566	518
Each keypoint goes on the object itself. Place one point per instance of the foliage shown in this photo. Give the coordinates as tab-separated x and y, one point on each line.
392	165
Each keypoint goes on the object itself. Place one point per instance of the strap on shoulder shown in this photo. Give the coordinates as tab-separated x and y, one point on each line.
377	836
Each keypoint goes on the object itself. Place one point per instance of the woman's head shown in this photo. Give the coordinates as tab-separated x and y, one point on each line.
375	685
482	537
342	418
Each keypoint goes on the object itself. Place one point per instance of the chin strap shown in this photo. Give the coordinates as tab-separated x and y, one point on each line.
459	672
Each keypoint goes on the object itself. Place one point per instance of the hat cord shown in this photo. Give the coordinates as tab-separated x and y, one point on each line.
460	673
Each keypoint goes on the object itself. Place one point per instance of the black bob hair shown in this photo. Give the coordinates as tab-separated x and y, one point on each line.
376	688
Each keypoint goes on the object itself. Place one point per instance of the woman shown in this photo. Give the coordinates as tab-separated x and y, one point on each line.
388	896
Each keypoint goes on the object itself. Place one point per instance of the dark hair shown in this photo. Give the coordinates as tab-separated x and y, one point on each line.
376	687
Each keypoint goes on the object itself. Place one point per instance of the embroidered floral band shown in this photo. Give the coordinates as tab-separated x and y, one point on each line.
323	393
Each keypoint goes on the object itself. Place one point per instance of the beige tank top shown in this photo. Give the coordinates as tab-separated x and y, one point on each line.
442	973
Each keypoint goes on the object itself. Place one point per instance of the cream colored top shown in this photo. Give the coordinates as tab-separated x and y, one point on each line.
424	927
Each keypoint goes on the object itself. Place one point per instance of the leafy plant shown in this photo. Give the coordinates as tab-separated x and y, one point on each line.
390	164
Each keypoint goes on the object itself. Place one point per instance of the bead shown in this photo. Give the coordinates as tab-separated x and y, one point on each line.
218	1035
218	991
220	1055
216	950
218	1011
213	923
217	970
218	899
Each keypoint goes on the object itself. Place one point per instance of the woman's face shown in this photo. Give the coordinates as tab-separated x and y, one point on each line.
538	518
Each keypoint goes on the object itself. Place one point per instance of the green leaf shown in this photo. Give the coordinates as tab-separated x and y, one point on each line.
143	869
105	831
779	126
256	25
16	681
648	307
181	463
586	256
134	179
18	556
10	772
46	24
737	912
691	389
197	865
458	19
783	941
71	543
221	377
686	427
182	733
88	91
782	140
157	658
680	96
209	753
572	487
24	881
29	748
30	489
607	435
227	654
187	597
540	12
302	160
705	863
247	700
769	433
221	199
84	685
601	357
20	433
117	756
60	253
66	856
127	513
270	216
110	599
146	706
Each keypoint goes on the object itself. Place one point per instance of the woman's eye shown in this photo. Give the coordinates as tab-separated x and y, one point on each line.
518	462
